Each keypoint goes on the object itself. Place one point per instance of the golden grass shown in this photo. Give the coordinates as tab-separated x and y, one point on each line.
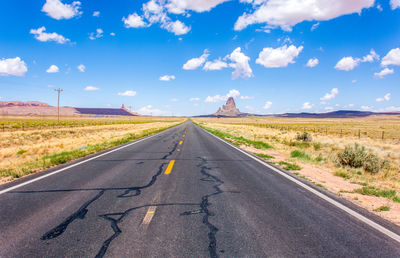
20	149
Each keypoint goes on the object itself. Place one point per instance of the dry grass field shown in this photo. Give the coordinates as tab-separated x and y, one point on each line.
324	152
42	142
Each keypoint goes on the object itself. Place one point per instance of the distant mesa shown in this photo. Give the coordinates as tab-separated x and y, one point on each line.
44	109
228	110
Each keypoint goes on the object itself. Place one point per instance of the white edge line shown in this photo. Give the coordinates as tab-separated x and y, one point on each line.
76	164
353	213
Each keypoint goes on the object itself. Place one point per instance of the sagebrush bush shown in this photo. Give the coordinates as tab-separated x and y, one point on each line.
305	137
358	157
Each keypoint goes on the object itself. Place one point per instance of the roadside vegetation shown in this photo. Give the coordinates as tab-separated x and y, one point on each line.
357	158
25	151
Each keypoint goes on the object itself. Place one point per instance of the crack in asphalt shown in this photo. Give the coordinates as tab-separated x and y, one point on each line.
83	210
204	206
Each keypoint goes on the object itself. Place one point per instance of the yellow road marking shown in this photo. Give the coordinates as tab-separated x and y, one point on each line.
169	168
149	215
180	142
183	136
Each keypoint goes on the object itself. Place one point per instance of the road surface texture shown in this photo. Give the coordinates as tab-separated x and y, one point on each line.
180	193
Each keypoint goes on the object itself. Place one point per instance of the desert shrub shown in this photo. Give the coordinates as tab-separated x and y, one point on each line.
305	137
342	174
358	157
317	145
289	166
20	152
300	155
382	208
302	145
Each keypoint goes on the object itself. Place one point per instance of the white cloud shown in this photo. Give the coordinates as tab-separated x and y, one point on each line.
267	105
332	95
394	4
246	97
112	34
194	99
353	81
174	100
370	57
312	62
240	62
328	108
307	105
383	73
177	27
214	65
43	36
367	108
278	57
99	34
287	13
392	58
217	98
385	98
392	109
57	10
150	110
128	93
52	69
134	21
91	88
196	62
180	6
167	77
12	66
81	68
96	13
347	63
315	26
349	106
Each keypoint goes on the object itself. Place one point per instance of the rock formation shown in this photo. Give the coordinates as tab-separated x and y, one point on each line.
229	109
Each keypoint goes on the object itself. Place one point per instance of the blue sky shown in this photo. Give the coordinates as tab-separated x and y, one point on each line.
185	57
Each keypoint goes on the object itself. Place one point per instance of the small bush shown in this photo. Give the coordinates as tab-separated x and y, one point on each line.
319	158
289	166
301	145
300	155
265	156
358	157
382	208
370	190
342	174
317	145
20	152
305	137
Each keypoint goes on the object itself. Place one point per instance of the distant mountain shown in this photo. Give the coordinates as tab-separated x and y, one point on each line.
43	109
336	114
228	110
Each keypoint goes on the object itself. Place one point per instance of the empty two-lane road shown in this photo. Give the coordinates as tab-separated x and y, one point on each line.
180	193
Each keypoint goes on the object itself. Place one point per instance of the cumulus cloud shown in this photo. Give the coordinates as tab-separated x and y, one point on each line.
328	96
307	105
134	21
278	57
372	56
267	105
240	62
218	98
391	58
196	62
347	63
180	6
43	36
81	68
385	98
194	99
394	4
150	110
96	13
112	34
57	10
91	88
13	66
98	34
128	93
215	65
383	73
312	62
52	69
367	108
176	27
246	97
167	78
287	13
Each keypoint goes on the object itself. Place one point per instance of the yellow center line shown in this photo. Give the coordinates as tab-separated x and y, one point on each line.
180	143
149	215
169	168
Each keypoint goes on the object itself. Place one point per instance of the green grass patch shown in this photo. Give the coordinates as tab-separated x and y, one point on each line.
372	191
20	152
265	156
300	155
382	208
289	166
342	174
301	145
317	146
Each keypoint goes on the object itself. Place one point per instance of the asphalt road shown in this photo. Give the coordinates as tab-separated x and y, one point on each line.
214	201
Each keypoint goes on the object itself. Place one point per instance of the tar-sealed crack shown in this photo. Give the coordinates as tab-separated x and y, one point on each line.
83	210
205	204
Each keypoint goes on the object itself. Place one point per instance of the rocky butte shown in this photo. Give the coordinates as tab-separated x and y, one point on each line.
229	109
